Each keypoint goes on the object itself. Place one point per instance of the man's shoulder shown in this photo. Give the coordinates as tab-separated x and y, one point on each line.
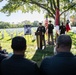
50	24
29	61
2	57
4	61
47	59
23	61
43	26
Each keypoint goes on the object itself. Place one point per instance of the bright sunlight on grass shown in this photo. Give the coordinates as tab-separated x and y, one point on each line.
31	52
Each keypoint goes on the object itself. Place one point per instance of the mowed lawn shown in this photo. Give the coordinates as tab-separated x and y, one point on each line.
31	52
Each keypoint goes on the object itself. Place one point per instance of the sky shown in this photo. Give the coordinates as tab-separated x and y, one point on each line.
19	16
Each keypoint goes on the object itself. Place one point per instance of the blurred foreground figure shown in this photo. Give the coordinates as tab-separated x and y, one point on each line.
64	62
62	29
3	54
40	35
17	64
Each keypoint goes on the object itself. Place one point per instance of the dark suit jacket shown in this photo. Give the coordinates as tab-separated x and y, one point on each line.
50	28
41	29
18	65
62	29
2	56
60	64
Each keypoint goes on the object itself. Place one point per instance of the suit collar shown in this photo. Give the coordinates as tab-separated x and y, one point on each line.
65	54
17	56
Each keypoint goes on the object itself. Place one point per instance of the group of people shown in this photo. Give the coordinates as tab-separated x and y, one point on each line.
42	30
63	63
62	28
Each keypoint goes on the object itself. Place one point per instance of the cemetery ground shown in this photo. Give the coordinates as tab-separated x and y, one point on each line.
31	52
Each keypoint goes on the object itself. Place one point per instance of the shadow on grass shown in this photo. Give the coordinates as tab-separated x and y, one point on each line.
41	54
1	38
9	39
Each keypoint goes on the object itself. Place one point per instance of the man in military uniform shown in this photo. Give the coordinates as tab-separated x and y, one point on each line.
50	32
41	38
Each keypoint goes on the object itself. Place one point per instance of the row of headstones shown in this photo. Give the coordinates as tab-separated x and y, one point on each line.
11	33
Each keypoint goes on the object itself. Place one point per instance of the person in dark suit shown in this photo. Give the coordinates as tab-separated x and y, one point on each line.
50	32
42	30
62	29
3	51
17	64
64	62
3	54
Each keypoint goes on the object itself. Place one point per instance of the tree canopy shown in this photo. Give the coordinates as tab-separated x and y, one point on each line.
36	5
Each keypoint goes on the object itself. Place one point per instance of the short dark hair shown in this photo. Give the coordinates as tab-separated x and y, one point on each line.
18	43
64	40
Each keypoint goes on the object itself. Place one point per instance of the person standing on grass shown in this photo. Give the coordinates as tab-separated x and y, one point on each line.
64	62
17	64
42	30
62	29
67	26
50	32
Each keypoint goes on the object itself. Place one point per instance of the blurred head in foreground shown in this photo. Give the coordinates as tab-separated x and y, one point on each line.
18	45
63	43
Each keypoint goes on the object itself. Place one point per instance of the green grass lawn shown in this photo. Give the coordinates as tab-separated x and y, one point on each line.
31	52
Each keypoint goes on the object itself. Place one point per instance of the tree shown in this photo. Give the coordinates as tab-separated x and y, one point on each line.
35	23
35	5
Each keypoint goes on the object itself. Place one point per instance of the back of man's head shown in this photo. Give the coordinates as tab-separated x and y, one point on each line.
18	43
64	41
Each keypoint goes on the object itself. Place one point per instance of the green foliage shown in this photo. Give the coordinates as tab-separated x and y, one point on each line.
15	5
73	23
6	25
19	25
35	23
35	5
73	36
